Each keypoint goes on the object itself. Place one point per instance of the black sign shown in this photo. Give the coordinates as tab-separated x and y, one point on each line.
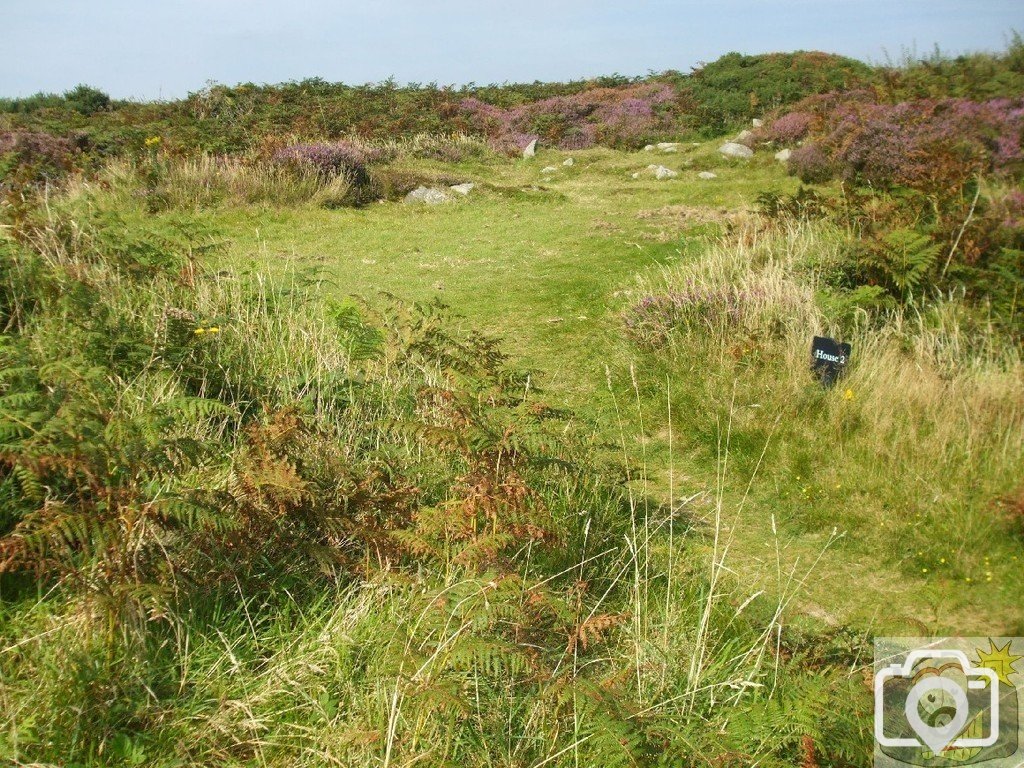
828	359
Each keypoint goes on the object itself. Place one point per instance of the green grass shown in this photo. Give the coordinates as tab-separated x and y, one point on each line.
548	261
756	507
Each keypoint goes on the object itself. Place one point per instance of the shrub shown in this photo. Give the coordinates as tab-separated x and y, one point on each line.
341	166
42	155
932	145
329	160
617	117
810	164
736	88
86	100
787	129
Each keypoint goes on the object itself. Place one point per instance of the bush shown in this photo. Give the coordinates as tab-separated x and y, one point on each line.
790	128
86	100
342	166
735	88
41	155
931	145
810	164
617	117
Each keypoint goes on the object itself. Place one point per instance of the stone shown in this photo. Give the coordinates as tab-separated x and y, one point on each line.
757	123
707	175
668	146
568	162
549	169
783	155
743	137
649	148
427	196
732	149
661	173
634	175
530	150
463	189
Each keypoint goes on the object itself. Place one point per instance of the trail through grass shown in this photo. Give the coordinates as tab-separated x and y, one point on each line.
546	260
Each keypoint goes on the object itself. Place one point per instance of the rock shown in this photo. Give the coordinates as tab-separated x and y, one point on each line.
649	148
783	155
530	149
634	175
661	173
549	169
568	162
463	189
743	137
707	175
732	149
427	195
757	123
668	146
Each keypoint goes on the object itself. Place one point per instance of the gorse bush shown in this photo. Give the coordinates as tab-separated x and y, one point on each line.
736	88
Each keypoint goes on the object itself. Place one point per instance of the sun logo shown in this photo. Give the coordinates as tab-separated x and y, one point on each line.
999	660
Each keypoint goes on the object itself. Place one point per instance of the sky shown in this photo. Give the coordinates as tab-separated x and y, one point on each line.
167	49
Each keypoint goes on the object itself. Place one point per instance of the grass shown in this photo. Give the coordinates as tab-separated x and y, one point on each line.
548	261
713	573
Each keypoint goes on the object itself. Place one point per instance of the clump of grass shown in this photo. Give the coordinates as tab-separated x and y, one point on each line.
909	451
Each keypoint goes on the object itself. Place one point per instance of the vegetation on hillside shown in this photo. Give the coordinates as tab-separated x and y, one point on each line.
254	510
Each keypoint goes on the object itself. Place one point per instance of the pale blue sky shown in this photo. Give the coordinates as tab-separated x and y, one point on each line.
147	49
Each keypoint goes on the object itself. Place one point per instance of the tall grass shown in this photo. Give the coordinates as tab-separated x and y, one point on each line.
411	557
912	451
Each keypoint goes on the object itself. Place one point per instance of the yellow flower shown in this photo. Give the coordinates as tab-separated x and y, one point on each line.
924	570
153	141
942	560
848	394
214	329
968	579
199	331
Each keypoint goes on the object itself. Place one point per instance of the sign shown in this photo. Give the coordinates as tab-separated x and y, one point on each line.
828	359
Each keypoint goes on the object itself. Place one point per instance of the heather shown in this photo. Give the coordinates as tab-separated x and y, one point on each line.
624	117
932	145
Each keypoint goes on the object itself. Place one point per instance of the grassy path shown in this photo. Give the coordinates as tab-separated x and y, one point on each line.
545	261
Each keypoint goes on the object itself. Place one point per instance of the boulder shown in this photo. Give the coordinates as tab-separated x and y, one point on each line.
783	155
463	189
732	149
757	123
649	148
744	137
568	162
661	173
707	175
668	146
530	150
427	196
